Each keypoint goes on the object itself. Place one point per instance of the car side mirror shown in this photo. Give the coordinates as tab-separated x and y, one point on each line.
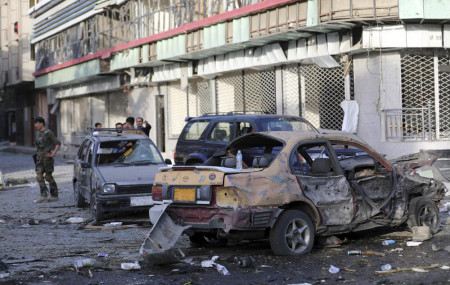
85	164
168	161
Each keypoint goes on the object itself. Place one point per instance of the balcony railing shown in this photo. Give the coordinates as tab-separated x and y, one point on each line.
409	124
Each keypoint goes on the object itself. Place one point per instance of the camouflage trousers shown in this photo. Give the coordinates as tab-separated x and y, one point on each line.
45	165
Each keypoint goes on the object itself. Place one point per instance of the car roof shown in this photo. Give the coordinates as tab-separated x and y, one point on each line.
116	136
292	137
240	116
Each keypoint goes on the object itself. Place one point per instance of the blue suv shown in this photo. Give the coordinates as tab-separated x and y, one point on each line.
203	136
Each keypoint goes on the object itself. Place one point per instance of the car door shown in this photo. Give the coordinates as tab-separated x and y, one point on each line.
322	181
372	180
86	172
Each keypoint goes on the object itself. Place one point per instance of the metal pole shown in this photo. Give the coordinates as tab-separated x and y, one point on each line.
429	119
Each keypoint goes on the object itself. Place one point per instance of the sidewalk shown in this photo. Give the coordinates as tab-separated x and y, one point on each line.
7	147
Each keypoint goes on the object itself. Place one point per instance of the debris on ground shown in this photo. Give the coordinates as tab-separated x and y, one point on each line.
130	266
413	243
75	220
367	252
4	275
212	263
421	233
103	255
33	222
386	267
110	228
333	269
332	241
80	263
412	269
245	262
113	224
397	249
388	242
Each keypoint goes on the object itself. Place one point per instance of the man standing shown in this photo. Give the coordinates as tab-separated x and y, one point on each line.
129	123
47	146
143	125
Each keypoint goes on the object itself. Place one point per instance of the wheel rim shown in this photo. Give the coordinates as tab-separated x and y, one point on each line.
427	216
298	235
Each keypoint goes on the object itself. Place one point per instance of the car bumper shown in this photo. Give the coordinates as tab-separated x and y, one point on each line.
125	202
222	218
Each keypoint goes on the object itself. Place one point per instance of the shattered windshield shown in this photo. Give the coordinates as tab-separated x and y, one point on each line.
142	152
285	124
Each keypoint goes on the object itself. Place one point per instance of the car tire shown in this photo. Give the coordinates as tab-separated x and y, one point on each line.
293	234
202	240
423	211
96	210
79	199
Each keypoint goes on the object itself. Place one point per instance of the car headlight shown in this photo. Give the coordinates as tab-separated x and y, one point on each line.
109	188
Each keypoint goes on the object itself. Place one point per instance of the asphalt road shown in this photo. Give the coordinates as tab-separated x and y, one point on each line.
39	247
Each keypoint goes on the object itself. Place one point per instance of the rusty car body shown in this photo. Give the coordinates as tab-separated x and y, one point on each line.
298	185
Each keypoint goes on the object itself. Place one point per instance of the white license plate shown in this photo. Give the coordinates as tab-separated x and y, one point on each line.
141	201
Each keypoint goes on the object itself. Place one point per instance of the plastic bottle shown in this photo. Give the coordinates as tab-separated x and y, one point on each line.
388	242
386	267
239	160
83	263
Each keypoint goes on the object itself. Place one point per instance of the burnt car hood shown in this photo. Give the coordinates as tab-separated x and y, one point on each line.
132	174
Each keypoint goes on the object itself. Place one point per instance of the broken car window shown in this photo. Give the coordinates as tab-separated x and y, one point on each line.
142	152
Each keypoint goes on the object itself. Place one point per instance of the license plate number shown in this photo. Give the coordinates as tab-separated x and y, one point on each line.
141	201
184	194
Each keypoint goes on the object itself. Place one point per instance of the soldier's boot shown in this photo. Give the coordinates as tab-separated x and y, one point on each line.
53	187
43	187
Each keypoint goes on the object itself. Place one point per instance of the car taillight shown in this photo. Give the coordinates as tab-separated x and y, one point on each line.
174	154
157	193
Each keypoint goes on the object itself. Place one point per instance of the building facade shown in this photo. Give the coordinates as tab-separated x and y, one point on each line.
101	60
19	100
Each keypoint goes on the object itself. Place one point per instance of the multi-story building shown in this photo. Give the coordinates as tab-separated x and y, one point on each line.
165	60
19	100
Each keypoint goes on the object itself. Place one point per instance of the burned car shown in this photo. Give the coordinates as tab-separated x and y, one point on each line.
114	171
296	186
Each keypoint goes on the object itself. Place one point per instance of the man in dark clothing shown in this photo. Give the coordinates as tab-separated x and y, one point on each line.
143	125
129	123
47	146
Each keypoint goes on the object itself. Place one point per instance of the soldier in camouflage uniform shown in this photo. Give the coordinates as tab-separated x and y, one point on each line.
47	146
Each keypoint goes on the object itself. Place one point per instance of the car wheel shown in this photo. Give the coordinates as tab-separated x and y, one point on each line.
96	210
200	240
293	234
80	202
423	211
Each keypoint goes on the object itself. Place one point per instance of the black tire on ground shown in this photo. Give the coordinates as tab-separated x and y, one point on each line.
80	201
202	240
96	210
423	211
293	234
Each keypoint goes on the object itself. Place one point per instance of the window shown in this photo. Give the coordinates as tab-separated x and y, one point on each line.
244	128
194	130
221	132
86	152
285	124
312	160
